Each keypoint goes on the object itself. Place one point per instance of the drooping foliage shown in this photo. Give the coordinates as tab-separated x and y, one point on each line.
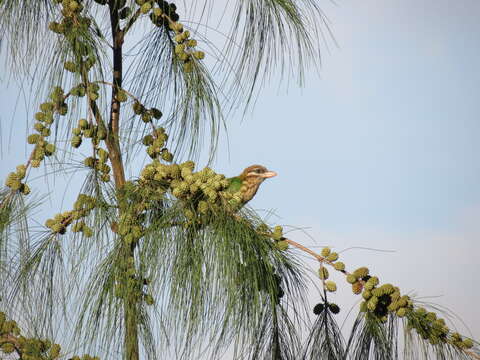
168	259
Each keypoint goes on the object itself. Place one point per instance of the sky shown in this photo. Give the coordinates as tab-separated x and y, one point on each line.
381	150
378	150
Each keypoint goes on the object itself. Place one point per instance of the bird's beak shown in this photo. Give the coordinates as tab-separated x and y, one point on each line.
269	174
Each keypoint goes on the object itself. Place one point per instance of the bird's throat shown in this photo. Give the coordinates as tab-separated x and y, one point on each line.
249	189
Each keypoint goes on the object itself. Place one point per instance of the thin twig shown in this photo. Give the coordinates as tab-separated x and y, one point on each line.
472	354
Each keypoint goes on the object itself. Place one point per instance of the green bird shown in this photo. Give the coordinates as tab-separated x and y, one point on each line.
248	182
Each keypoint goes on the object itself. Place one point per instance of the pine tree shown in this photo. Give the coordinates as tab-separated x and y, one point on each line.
169	260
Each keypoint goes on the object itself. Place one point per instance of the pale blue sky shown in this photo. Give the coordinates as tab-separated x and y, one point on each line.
381	150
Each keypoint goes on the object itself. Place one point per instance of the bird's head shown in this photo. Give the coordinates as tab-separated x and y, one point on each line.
256	174
250	180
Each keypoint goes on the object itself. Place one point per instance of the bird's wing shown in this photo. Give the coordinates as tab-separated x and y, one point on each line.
235	184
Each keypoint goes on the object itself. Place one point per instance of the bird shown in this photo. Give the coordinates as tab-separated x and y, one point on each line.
248	182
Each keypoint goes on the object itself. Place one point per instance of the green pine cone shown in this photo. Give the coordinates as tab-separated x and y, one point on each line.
101	133
393	307
11	178
281	245
367	294
47	107
40	116
202	207
147	140
57	92
122	96
373	281
179	38
179	49
48	118
151	151
39	152
199	55
323	273
167	156
157	114
92	95
332	257
372	303
78	91
357	287
54	26
21	171
177	27
70	66
102	154
388	289
361	272
88	133
63	109
16	185
378	292
146	117
331	286
145	8
351	279
38	126
57	227
78	226
87	232
149	299
184	56
55	351
105	169
76	141
73	5
7	348
49	149
89	161
325	252
49	223
138	108
401	312
468	343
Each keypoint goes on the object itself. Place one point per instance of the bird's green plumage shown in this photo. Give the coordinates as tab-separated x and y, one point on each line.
235	184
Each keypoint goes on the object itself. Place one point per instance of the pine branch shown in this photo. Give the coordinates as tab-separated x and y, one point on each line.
113	142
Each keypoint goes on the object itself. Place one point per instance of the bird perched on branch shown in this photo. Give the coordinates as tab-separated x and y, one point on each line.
248	181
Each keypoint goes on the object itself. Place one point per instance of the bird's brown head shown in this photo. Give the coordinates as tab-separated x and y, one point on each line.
257	173
252	177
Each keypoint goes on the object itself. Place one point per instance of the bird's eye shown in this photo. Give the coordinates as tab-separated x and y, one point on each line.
259	171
